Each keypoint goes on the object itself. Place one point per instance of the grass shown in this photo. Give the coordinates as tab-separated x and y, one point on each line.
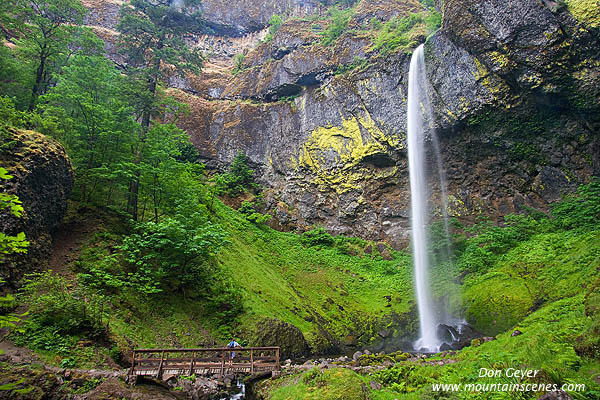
281	277
323	290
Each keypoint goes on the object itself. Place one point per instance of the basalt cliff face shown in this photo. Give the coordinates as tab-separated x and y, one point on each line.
515	86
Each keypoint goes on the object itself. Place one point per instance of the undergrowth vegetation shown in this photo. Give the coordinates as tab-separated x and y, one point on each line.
405	33
537	274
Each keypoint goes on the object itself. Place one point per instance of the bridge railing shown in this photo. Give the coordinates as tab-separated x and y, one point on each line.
156	362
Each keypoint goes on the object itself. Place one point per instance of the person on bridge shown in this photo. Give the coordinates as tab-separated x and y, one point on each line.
232	345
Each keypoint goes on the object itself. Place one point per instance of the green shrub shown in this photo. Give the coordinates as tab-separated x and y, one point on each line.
357	63
247	209
580	210
403	33
317	236
54	305
10	203
492	241
172	254
338	25
238	179
274	23
433	21
238	62
58	314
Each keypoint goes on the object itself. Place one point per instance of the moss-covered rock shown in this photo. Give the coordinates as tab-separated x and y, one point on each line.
585	11
43	179
273	332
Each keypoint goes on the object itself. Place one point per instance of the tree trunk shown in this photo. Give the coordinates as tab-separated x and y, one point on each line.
39	77
134	185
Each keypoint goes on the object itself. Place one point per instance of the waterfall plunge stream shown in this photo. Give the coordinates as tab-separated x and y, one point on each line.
419	112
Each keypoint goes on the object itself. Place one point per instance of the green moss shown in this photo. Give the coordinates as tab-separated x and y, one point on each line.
495	302
376	359
331	384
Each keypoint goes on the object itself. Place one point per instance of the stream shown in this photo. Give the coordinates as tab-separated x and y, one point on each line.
236	393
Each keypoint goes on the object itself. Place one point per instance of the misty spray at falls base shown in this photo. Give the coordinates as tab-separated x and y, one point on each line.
438	328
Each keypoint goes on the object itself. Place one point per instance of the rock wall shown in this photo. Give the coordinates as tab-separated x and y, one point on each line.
42	179
515	92
514	84
522	126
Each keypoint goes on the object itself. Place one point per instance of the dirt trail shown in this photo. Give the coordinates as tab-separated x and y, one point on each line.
68	241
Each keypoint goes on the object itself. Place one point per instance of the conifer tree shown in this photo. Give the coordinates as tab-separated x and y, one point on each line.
152	43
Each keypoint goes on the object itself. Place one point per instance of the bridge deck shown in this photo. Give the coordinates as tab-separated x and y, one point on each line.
158	363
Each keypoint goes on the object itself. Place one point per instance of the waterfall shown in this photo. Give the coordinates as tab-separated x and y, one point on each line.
418	110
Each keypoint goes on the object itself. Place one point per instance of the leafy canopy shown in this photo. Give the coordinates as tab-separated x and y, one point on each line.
46	37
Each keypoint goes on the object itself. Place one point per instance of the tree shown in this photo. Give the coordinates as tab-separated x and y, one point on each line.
9	23
48	30
159	168
173	254
237	179
151	40
97	123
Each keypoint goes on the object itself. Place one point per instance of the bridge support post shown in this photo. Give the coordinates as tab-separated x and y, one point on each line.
160	366
192	363
251	361
223	363
132	362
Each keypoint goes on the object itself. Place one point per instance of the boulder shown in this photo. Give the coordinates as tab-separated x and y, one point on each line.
42	179
556	395
274	332
445	347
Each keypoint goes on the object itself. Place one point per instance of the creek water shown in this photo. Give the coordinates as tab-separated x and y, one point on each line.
236	393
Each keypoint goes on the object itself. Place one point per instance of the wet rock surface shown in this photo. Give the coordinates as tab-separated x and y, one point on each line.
456	337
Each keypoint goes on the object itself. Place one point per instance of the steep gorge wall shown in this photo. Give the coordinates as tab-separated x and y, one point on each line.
515	86
515	91
517	97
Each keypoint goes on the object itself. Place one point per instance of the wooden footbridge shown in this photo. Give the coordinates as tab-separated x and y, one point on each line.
165	363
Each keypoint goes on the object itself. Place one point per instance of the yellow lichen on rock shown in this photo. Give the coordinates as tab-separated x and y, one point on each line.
585	11
500	59
484	77
333	153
